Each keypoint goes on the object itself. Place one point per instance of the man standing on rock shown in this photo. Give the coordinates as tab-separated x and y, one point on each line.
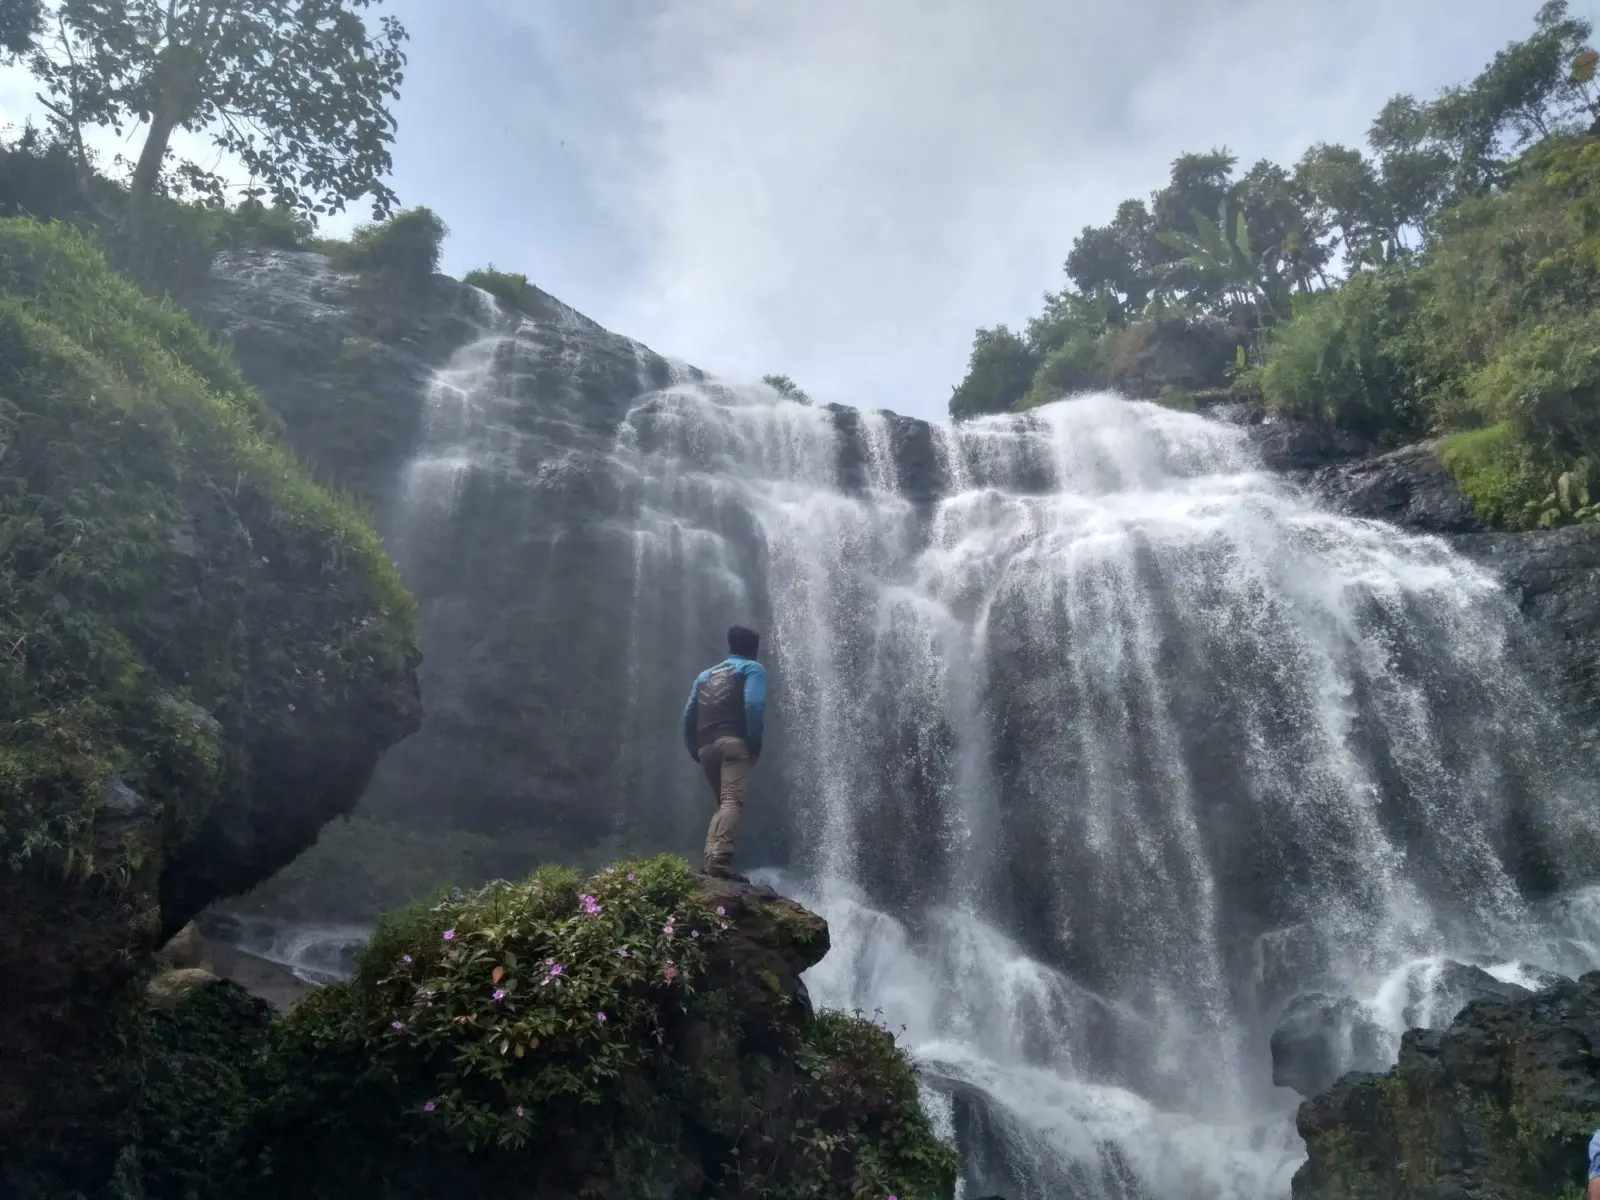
722	726
1594	1167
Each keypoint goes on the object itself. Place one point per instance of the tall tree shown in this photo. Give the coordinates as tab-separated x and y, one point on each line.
998	374
19	23
297	89
1199	183
1116	258
1284	223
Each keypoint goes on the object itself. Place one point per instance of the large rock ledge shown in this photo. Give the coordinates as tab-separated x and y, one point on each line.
642	1032
1500	1105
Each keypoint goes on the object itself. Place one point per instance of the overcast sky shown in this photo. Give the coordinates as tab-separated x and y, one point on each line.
843	190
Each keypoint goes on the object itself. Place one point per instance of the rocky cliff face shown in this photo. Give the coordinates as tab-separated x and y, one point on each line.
470	419
1502	1104
205	656
489	422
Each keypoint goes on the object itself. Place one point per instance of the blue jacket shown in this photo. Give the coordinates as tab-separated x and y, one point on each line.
755	704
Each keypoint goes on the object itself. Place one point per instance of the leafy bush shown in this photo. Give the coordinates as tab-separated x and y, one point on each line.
201	1062
1546	384
998	375
1336	360
1075	366
1493	470
405	248
512	289
559	1037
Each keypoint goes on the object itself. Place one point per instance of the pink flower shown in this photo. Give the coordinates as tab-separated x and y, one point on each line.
519	1110
694	933
405	958
721	912
590	905
622	952
429	1106
672	972
499	994
449	935
555	969
631	876
601	1017
397	1024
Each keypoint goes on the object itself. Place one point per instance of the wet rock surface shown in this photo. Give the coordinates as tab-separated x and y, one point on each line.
1320	1037
1408	487
1501	1104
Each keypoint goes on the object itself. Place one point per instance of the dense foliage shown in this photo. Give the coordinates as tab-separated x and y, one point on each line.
186	621
1442	284
19	22
512	289
616	1036
130	443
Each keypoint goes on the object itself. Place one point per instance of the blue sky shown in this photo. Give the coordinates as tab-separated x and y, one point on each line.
843	190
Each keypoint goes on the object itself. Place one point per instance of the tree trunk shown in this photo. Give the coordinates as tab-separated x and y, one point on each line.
148	173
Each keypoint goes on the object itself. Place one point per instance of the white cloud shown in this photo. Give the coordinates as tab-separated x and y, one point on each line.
844	189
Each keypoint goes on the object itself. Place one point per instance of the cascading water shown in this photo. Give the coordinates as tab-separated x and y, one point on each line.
1095	742
1096	761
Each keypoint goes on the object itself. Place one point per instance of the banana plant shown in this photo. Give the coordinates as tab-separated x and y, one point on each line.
1222	255
1569	502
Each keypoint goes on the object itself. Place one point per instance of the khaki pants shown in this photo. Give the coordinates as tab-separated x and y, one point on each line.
727	763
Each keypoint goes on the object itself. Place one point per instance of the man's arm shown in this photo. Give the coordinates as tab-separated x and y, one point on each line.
1594	1166
691	740
755	706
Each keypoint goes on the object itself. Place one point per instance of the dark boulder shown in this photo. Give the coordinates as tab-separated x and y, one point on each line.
1290	444
1501	1104
1554	575
1319	1037
1152	357
1408	487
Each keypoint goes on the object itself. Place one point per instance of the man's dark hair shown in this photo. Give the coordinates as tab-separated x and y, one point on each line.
743	642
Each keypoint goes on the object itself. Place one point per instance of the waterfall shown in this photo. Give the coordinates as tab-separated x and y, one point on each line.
1095	742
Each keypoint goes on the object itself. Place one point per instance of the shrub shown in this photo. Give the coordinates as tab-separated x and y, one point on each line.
1546	384
1078	365
999	374
404	249
1492	467
561	1037
512	289
201	1063
1334	361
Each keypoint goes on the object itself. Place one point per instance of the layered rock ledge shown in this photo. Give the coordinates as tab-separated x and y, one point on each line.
1501	1104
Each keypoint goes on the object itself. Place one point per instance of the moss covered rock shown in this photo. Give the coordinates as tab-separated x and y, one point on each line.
641	1033
1501	1104
202	655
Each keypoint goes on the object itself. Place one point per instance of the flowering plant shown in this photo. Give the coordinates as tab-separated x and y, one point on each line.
498	1004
